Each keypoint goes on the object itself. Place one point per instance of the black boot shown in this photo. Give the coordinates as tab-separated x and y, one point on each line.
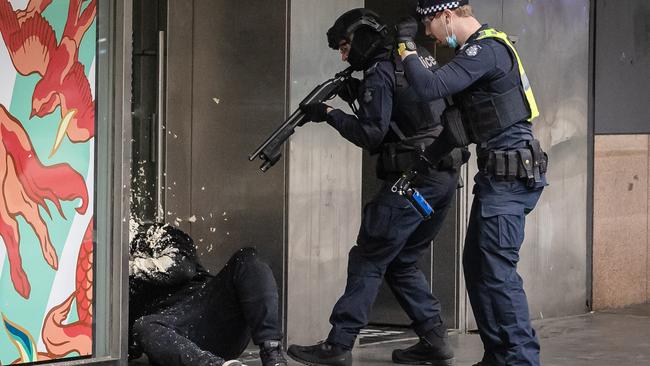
271	354
432	349
321	354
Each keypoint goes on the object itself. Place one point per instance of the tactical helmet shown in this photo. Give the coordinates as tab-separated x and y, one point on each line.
364	30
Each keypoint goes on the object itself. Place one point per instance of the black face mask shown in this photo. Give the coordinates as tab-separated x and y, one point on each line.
364	47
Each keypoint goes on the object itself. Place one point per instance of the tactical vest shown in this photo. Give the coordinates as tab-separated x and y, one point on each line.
414	124
490	107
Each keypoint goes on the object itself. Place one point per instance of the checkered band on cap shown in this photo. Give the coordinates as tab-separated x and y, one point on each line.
431	7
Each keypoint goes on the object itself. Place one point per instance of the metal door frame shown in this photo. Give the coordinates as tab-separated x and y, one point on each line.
113	153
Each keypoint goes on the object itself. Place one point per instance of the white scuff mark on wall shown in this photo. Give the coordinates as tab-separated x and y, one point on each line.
216	100
192	218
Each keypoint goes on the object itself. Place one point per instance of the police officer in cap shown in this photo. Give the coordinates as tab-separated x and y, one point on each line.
395	124
496	110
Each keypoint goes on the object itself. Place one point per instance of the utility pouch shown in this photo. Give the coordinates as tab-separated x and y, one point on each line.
455	159
454	129
395	158
512	162
526	157
540	158
528	163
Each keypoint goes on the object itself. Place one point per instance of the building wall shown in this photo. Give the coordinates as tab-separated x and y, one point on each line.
621	246
554	254
620	192
324	180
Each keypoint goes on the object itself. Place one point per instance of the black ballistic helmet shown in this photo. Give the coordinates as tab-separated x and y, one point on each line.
364	30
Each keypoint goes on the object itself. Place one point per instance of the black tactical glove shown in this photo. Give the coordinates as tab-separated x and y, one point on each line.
316	112
349	90
407	29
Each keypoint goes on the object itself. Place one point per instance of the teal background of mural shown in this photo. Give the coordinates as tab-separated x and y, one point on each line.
29	313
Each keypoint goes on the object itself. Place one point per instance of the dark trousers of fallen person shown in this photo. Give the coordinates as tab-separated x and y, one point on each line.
208	319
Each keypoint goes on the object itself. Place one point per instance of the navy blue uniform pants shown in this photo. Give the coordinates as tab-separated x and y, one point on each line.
494	238
217	319
391	239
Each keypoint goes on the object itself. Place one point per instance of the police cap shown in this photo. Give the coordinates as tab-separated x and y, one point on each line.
432	7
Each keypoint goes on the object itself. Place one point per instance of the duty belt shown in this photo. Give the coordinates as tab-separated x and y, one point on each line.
528	163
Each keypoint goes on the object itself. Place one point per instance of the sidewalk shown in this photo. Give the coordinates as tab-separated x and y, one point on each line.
616	337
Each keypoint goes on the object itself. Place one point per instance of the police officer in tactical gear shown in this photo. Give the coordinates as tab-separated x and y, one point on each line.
395	124
496	108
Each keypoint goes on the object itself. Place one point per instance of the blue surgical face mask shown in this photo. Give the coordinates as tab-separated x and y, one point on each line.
452	41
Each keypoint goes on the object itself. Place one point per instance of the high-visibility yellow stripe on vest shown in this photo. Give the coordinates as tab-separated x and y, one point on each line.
530	97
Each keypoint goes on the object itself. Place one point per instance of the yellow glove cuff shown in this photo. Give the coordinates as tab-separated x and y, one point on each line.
407	45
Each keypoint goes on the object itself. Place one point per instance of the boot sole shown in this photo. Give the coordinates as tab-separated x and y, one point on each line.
309	363
449	362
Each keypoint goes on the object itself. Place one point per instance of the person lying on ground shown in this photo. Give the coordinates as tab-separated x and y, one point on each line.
180	315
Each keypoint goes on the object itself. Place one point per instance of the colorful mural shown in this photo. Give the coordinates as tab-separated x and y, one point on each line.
47	125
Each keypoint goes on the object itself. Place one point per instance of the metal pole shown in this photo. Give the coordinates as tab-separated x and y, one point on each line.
160	167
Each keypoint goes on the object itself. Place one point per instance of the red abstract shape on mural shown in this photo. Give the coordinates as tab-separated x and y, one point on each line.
25	184
32	46
62	339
